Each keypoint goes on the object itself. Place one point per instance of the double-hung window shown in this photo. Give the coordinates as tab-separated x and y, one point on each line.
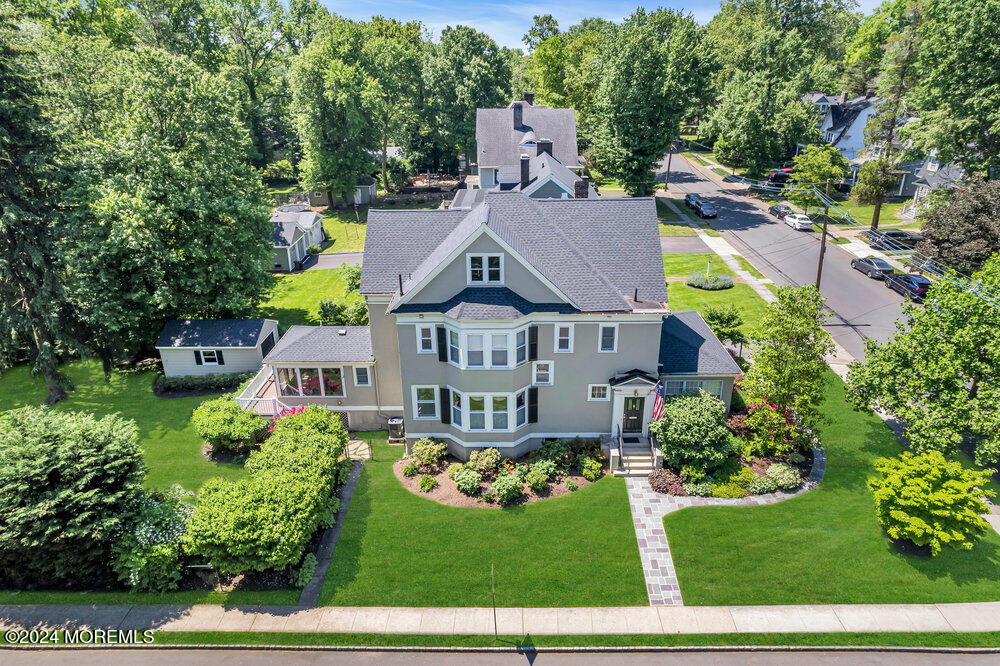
425	339
498	350
484	269
209	357
425	402
454	349
500	412
456	408
541	373
608	338
521	408
521	346
474	353
361	377
564	338
477	412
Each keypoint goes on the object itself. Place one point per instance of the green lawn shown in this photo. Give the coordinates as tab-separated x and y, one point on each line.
288	597
171	448
398	549
665	213
284	189
747	266
682	265
825	546
751	306
863	214
343	231
676	229
694	158
295	299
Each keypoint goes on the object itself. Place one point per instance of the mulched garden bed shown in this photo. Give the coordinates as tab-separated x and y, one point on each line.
671	483
448	493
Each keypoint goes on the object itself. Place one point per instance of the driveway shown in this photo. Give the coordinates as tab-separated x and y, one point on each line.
330	260
860	307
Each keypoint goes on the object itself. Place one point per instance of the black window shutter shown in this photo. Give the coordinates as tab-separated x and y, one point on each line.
197	357
442	335
533	404
445	396
218	356
532	343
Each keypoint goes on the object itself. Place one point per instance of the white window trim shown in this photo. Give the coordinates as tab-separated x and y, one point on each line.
696	384
368	375
488	410
600	329
486	271
590	393
534	373
420	349
555	338
463	347
214	352
322	385
437	404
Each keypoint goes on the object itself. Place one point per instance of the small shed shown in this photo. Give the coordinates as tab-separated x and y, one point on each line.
215	346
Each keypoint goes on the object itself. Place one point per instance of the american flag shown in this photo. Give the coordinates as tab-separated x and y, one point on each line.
658	402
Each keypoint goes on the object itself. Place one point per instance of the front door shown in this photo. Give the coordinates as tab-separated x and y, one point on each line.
632	418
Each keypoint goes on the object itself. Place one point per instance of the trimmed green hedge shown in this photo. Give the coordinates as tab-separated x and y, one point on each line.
218	382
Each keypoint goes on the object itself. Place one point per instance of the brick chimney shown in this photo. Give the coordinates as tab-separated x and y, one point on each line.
843	97
518	114
580	188
529	97
525	160
543	146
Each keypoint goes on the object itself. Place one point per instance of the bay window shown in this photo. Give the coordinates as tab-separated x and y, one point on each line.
474	357
477	412
520	409
487	349
521	346
499	412
498	345
456	408
488	412
454	350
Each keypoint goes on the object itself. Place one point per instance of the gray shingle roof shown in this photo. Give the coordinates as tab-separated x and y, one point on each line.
211	333
486	303
948	176
467	198
500	142
284	234
288	222
323	344
688	347
597	252
541	167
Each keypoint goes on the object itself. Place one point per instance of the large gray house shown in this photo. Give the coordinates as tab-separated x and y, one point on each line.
518	320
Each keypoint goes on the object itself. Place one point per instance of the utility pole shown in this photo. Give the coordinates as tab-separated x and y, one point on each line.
822	252
670	155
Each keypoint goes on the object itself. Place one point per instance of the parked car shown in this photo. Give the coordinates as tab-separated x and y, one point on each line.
873	267
799	222
691	200
913	287
895	239
780	210
779	177
705	209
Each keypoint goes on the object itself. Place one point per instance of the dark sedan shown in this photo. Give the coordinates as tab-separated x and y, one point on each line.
705	209
780	211
895	239
913	287
873	267
692	200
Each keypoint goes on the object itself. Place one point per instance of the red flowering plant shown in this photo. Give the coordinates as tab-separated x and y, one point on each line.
518	470
773	428
291	411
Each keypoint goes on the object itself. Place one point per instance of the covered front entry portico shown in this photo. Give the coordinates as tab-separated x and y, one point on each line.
633	452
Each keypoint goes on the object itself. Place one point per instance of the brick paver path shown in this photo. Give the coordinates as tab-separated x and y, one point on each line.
649	508
358	449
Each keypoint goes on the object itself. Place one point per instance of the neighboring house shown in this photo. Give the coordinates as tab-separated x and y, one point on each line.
364	194
932	175
215	346
842	121
391	152
518	320
541	176
293	229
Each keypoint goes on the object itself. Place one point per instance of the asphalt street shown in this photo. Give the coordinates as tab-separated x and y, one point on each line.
860	307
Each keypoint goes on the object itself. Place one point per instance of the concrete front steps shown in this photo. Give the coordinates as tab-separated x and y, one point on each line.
636	461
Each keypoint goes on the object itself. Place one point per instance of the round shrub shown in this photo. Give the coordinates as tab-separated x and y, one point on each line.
537	480
930	501
699	489
571	485
786	476
506	489
467	480
773	427
666	481
558	453
454	469
410	469
546	467
711	283
761	485
314	249
147	556
226	426
484	461
427	483
428	453
728	490
743	477
692	431
592	468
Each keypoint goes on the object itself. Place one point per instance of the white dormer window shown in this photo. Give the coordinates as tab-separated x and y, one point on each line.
484	269
823	108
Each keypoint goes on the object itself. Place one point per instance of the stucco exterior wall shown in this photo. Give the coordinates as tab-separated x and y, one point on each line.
384	347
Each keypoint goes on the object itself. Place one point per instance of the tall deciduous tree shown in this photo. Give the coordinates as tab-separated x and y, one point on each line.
939	373
466	70
31	293
332	101
965	226
544	27
957	95
816	166
789	346
653	69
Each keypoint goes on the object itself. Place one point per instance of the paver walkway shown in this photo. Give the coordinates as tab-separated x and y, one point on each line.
649	507
957	617
359	449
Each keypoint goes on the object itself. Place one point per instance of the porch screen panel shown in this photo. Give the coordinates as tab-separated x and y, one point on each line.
333	381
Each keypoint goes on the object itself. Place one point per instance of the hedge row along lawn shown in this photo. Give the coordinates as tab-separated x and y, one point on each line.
823	547
398	549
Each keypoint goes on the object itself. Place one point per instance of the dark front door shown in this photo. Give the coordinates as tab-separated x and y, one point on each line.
632	418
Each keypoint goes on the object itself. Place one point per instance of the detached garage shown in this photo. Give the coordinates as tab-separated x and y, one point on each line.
215	346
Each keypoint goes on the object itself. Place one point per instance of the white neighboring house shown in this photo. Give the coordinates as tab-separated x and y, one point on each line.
215	346
293	229
842	120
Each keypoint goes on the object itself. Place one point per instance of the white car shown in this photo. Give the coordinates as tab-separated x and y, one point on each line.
800	222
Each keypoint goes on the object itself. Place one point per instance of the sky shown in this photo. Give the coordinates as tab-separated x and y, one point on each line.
507	20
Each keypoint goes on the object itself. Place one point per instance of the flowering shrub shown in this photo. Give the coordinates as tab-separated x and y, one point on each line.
773	427
454	469
225	425
291	411
558	453
511	468
506	488
546	467
467	480
428	453
761	485
786	476
147	555
738	425
484	461
427	483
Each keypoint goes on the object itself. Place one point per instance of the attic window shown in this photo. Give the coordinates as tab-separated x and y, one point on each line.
484	269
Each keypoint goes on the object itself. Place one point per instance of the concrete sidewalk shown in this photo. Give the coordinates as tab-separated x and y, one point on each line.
958	617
